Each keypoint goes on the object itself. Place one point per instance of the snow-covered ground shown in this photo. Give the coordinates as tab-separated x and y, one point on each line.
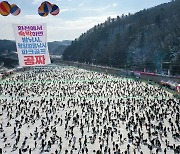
70	110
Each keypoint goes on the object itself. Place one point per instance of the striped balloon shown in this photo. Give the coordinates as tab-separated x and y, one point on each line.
41	12
5	8
46	6
15	10
55	10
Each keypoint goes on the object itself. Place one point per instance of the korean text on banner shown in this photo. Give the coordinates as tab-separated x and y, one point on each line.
31	43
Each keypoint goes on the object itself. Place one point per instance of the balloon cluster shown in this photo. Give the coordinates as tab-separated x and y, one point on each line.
46	7
6	9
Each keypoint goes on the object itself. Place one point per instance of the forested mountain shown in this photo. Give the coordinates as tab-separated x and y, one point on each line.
57	47
148	39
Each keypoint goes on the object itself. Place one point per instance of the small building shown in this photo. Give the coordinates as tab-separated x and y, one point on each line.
1	76
178	88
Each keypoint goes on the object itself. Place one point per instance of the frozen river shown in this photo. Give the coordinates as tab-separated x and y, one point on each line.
66	110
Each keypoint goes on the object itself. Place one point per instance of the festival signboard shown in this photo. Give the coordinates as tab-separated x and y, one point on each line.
31	44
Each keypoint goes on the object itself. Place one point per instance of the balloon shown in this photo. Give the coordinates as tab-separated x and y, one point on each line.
46	6
15	10
5	8
55	10
41	12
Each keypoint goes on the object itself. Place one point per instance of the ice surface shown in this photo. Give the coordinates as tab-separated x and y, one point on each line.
104	104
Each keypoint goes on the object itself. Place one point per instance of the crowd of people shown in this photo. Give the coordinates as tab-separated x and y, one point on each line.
67	110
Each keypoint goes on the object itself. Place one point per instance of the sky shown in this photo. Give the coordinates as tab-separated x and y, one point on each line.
75	17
